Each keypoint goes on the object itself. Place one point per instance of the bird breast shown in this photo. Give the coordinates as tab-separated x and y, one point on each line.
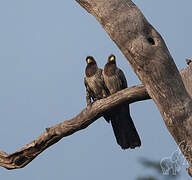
96	84
113	83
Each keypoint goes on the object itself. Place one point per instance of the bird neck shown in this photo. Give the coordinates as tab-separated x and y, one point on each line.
91	69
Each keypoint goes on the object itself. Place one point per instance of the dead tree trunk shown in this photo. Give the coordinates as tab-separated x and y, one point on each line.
148	55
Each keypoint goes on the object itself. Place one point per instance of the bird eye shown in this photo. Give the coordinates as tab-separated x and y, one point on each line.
112	58
88	60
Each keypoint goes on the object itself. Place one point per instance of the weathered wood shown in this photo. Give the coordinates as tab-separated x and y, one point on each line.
53	134
148	55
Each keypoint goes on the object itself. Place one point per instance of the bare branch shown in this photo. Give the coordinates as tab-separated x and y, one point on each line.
53	134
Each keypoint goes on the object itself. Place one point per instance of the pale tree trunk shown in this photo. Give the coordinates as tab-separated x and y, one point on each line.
148	55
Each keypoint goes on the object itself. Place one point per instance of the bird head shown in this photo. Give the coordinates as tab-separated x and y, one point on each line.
90	60
111	59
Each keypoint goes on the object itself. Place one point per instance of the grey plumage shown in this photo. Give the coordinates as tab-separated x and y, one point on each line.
123	126
94	83
100	84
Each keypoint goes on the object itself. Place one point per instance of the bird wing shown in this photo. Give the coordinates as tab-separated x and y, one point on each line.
88	92
103	82
86	84
121	76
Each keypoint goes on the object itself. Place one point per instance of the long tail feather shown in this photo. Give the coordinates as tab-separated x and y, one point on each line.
124	128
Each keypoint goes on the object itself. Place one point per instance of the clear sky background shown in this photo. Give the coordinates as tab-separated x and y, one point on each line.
43	46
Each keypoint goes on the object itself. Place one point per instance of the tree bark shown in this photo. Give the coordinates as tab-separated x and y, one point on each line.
148	55
52	135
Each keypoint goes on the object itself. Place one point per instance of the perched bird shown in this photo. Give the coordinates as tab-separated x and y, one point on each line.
123	126
94	82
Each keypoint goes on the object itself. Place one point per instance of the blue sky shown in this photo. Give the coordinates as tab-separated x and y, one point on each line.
43	45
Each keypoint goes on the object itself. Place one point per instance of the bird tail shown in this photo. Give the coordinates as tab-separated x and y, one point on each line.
124	128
